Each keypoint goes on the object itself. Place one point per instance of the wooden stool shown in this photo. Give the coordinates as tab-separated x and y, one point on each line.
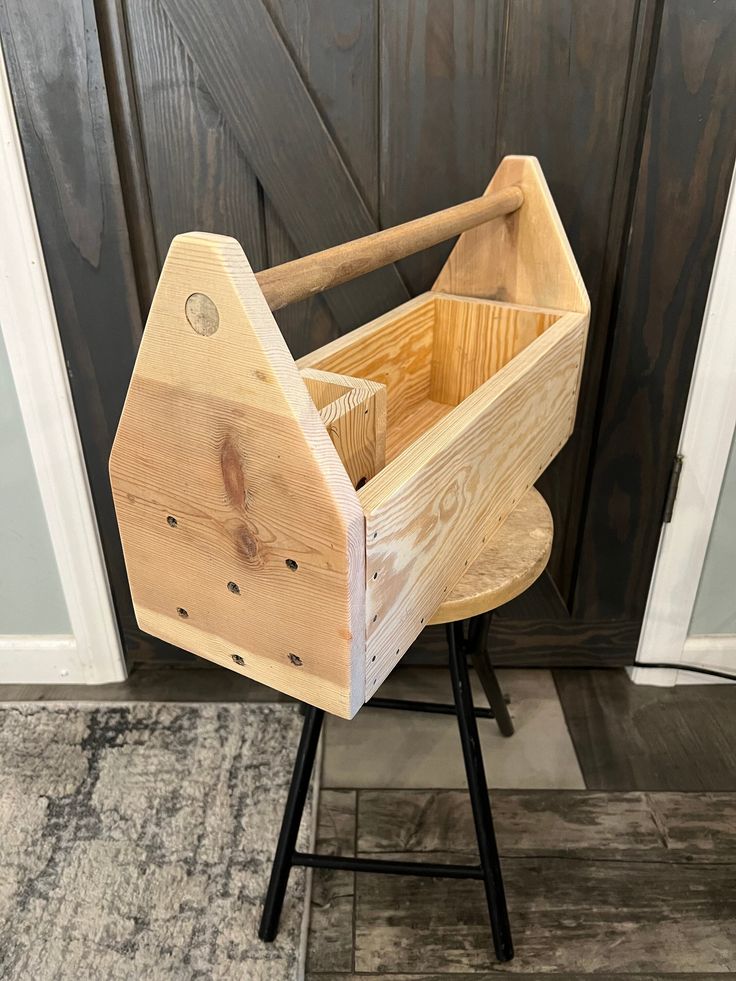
514	558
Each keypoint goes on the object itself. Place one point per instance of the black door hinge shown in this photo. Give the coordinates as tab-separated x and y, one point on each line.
669	501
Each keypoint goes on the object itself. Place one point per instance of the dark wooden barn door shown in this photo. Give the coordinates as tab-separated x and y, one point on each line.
297	124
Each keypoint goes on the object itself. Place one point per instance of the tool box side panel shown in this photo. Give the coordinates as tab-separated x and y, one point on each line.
524	257
243	537
430	511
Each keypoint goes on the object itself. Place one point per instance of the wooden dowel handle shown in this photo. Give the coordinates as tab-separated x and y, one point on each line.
312	274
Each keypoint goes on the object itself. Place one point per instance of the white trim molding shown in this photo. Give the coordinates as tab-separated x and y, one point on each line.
707	434
46	659
716	651
28	322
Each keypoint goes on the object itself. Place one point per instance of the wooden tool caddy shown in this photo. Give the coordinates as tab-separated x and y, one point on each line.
300	523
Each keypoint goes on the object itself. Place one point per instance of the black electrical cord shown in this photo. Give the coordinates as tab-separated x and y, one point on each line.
686	667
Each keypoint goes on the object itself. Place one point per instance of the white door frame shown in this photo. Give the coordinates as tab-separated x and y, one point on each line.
93	652
708	430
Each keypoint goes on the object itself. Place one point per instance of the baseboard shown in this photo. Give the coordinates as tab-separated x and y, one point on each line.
40	659
717	651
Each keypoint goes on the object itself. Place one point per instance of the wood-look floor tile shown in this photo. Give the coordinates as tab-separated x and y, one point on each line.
639	737
330	946
589	824
630	884
493	976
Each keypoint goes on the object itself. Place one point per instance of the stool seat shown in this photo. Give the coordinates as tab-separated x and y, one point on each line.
514	558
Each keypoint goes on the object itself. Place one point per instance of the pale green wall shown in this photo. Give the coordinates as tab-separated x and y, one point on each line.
715	605
31	599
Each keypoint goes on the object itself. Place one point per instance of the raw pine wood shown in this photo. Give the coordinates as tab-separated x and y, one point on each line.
465	401
316	273
510	562
353	411
422	416
428	511
394	350
475	339
525	258
219	432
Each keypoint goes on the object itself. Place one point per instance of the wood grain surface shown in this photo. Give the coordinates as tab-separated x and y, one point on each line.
514	557
486	454
439	101
577	122
330	944
333	47
408	106
600	885
684	178
253	79
215	403
596	883
394	350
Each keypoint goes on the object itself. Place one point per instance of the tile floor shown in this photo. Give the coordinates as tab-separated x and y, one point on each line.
631	877
599	884
385	748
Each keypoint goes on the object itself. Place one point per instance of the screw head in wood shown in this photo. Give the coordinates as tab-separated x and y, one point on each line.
296	660
238	659
291	564
234	588
171	520
182	612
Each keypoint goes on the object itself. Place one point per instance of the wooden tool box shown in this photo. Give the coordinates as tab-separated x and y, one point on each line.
299	523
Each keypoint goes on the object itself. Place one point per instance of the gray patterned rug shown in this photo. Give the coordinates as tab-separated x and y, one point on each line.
136	841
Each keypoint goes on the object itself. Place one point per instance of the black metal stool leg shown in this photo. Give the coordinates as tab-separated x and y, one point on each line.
478	788
298	789
478	650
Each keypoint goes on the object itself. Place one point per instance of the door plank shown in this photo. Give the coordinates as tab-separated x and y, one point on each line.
333	45
686	167
199	177
563	98
55	69
439	81
256	85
